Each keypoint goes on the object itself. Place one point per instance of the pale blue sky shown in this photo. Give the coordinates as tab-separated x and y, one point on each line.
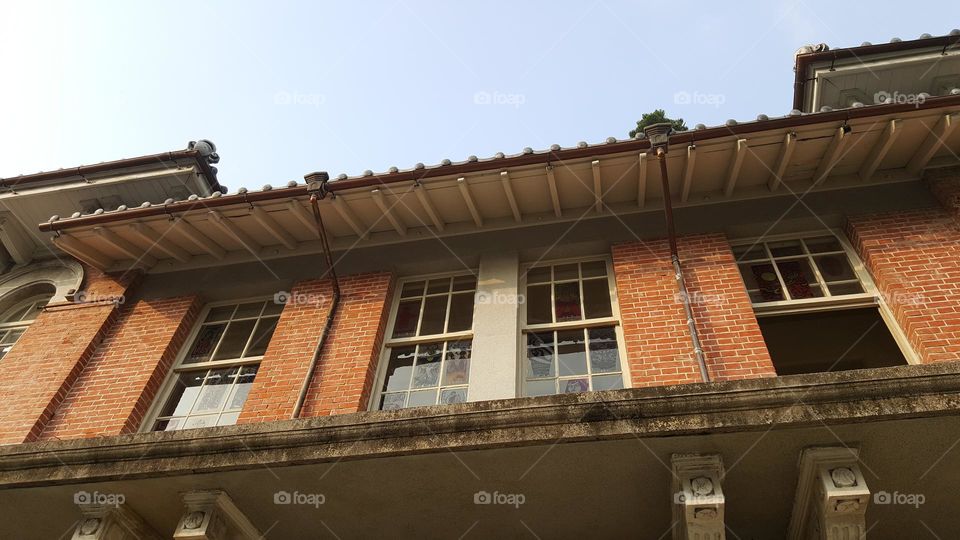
285	88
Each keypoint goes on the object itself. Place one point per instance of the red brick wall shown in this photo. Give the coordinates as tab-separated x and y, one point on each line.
287	358
914	258
659	350
119	383
344	375
39	371
347	369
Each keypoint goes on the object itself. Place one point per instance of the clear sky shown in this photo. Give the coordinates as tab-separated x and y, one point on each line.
285	88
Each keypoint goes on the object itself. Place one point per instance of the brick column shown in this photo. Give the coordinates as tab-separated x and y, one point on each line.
39	371
344	376
914	258
119	383
659	350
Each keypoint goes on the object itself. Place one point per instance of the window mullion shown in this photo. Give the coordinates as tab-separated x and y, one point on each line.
776	270
816	271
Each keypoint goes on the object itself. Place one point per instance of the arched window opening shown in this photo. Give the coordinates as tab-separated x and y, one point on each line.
18	310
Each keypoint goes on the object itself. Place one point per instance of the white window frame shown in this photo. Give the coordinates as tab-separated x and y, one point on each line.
178	367
613	320
870	297
390	342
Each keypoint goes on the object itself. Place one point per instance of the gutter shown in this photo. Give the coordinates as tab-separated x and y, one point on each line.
553	156
803	61
107	166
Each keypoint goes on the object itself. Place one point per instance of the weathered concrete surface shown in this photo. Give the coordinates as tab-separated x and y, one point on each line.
737	406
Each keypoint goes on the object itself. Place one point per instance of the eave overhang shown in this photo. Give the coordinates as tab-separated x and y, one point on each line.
841	149
804	62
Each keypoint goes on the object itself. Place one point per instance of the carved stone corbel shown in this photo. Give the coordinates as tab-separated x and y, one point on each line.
698	501
112	522
832	496
212	515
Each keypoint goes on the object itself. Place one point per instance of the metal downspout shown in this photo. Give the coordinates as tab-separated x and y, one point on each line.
661	152
318	190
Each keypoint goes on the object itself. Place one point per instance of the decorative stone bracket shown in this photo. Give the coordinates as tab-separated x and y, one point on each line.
212	515
698	501
832	496
112	522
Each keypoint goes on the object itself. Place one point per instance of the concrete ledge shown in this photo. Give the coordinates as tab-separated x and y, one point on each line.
736	406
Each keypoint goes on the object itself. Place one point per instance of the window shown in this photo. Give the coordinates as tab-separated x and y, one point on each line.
428	346
213	375
817	307
797	269
570	330
21	309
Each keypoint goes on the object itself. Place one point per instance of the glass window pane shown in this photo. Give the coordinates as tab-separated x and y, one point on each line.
185	391
273	308
408	314
453	395
261	337
248	310
234	341
207	420
749	252
541	388
823	244
242	388
228	419
427	370
399	368
540	355
785	248
464	283
763	277
567	299
570	386
12	336
845	288
593	269
596	298
392	401
220	313
461	312
798	277
608	382
214	390
565	271
434	315
412	288
604	352
538	304
204	343
457	363
435	286
167	425
422	398
835	267
538	275
571	353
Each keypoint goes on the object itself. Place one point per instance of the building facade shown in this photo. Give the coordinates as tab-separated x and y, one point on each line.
484	347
